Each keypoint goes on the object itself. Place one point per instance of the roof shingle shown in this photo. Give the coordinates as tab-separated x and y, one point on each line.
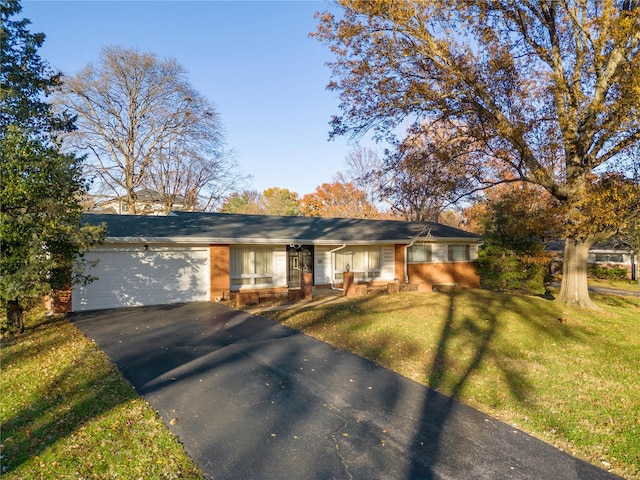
231	228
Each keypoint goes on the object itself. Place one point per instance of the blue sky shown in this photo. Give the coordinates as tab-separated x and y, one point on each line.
253	59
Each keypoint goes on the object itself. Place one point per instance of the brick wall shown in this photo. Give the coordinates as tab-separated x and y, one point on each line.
460	273
62	300
220	275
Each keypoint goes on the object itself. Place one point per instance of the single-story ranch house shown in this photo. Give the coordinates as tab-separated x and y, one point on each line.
186	257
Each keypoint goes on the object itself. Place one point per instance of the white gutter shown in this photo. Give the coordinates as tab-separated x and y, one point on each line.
269	241
331	252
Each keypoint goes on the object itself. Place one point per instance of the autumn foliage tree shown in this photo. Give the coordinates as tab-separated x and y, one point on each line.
515	220
337	200
279	201
549	91
245	202
272	201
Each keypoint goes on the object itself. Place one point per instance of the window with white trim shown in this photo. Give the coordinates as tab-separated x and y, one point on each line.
364	261
458	253
609	258
251	266
419	253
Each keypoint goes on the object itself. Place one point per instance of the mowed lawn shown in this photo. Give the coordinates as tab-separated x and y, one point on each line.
67	413
566	376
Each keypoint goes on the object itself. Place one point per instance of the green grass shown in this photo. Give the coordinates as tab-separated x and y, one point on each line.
628	285
67	413
567	376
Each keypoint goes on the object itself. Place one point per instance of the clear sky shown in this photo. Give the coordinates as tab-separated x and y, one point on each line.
253	59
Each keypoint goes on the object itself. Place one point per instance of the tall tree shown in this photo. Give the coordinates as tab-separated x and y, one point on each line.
41	235
195	180
145	125
362	167
246	202
272	201
337	200
279	201
427	172
548	89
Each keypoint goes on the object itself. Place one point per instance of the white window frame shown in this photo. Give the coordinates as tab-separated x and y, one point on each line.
451	256
366	273
412	252
241	279
608	256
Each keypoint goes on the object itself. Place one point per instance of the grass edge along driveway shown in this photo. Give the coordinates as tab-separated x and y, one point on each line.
564	375
67	413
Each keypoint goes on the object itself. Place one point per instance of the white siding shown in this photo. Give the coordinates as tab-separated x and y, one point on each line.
322	264
135	276
473	251
280	277
388	262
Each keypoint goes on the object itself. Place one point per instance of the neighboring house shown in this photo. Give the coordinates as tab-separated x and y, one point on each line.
611	254
608	254
184	257
148	202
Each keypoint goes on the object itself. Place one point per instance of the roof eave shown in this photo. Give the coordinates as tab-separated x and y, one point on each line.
195	240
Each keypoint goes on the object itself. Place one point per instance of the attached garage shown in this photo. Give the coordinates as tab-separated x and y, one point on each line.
144	275
194	257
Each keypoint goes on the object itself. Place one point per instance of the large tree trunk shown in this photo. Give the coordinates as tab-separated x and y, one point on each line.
15	315
574	289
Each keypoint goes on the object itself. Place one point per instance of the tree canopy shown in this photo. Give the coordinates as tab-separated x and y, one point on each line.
145	126
337	200
41	235
549	91
427	172
272	201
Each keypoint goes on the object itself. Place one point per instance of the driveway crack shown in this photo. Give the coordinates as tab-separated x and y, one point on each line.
333	436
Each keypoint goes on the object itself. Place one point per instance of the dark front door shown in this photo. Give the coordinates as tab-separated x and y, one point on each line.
299	261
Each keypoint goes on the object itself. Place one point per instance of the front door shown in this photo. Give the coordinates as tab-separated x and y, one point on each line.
299	261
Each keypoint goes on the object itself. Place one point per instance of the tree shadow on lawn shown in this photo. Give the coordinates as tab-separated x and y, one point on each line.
272	398
66	402
468	340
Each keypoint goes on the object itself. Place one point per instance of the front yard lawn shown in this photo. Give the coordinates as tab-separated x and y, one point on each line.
627	285
67	413
567	376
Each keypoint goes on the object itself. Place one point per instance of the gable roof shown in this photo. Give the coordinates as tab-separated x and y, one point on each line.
190	227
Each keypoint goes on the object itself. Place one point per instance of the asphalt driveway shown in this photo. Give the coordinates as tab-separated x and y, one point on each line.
252	399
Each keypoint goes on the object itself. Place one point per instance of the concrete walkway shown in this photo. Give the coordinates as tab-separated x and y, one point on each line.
251	399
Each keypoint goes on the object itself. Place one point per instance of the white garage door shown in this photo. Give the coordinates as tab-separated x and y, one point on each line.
135	276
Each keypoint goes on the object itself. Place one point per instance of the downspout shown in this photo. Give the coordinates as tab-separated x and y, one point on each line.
406	260
406	249
332	263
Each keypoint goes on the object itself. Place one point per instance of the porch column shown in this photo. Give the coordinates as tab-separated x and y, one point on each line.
307	286
349	285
